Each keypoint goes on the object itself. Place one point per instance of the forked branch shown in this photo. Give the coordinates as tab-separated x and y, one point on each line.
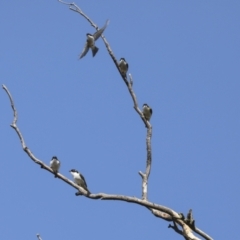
151	206
160	211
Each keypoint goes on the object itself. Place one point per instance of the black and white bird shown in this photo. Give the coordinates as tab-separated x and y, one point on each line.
55	165
79	179
147	112
91	39
123	66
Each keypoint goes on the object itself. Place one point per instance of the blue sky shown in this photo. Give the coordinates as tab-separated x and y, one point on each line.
184	57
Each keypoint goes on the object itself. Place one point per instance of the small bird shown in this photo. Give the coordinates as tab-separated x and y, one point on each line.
123	66
79	179
147	112
55	164
91	41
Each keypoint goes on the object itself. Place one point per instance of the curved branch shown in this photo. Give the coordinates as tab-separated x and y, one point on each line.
158	210
129	84
162	215
176	229
101	196
167	213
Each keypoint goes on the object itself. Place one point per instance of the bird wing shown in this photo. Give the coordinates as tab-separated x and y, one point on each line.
82	177
85	50
151	111
99	32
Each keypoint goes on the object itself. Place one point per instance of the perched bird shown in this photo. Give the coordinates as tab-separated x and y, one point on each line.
123	66
79	179
55	164
147	112
91	41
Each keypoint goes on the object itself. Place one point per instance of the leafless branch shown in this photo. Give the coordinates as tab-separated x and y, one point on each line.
162	215
129	84
158	210
102	196
187	233
176	229
28	151
166	212
145	175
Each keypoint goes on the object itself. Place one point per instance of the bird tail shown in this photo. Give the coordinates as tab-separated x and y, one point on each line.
94	50
55	174
124	74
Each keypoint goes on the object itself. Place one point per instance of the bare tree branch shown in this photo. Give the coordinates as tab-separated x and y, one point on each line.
187	233
158	210
176	229
129	84
102	196
28	151
162	215
151	206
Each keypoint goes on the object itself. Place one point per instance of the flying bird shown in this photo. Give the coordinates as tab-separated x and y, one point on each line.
147	112
91	39
79	179
123	66
55	165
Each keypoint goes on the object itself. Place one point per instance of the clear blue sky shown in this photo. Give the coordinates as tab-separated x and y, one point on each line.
185	60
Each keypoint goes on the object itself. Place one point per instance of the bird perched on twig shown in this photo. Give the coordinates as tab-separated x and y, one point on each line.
79	179
147	112
90	43
55	165
123	66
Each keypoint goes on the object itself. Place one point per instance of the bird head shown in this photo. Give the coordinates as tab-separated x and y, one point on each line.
145	105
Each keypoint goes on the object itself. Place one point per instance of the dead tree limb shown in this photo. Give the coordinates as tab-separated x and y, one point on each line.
158	210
